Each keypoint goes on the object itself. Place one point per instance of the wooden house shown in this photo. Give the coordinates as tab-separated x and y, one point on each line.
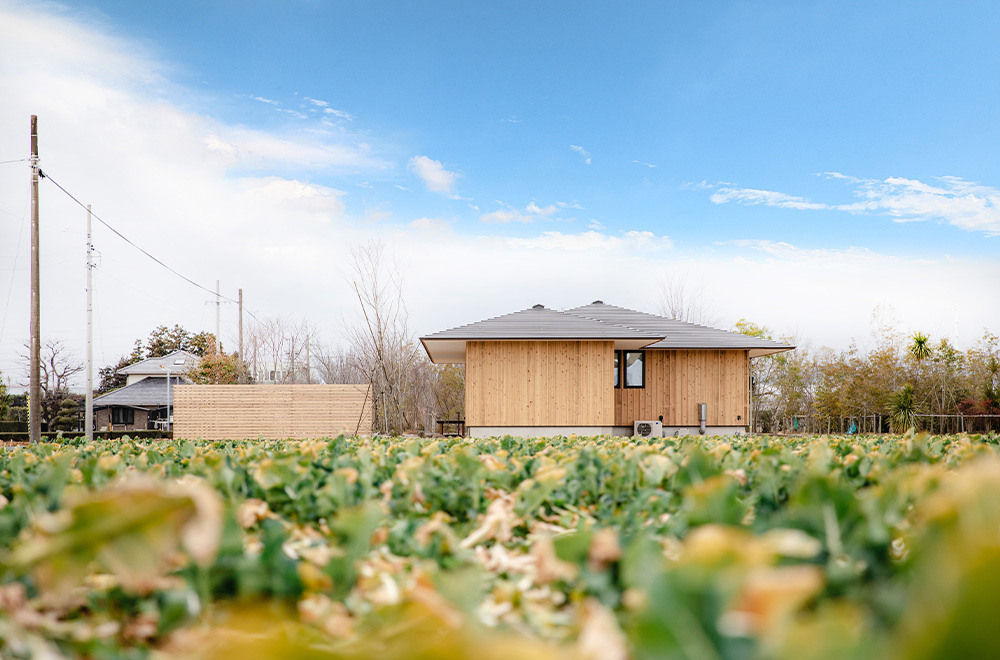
600	369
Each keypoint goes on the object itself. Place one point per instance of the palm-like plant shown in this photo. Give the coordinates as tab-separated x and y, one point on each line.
921	346
902	410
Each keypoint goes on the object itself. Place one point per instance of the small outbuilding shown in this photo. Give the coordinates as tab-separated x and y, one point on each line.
600	369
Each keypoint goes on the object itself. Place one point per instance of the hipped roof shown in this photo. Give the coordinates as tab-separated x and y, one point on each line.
148	392
628	328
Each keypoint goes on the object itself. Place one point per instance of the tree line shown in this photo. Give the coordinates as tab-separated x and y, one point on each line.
900	382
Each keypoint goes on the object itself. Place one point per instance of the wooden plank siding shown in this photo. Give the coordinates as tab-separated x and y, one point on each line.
678	380
539	383
236	412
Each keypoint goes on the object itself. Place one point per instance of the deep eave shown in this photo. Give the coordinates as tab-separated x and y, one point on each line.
629	329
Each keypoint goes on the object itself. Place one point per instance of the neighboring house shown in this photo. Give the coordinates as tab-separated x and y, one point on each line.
599	369
145	400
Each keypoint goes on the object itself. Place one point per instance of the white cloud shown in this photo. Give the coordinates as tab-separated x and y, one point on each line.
955	201
964	204
639	162
433	174
530	213
264	100
753	197
340	114
317	102
699	185
583	152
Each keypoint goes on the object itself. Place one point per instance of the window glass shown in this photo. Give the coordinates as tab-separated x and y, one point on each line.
122	415
634	369
618	376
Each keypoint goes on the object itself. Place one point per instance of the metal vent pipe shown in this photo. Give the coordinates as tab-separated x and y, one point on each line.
702	418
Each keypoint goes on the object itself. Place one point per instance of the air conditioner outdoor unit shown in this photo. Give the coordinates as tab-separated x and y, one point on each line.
653	429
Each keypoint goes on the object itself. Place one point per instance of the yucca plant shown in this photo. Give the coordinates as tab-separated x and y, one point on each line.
902	410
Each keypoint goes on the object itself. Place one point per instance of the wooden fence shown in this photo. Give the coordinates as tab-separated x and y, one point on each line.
237	412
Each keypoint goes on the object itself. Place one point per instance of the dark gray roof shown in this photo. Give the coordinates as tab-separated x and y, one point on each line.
158	366
630	330
148	392
539	322
679	334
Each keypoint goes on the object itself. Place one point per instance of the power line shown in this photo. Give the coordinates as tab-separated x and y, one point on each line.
124	238
6	162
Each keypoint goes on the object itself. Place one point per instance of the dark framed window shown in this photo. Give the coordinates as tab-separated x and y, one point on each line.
122	415
634	366
618	371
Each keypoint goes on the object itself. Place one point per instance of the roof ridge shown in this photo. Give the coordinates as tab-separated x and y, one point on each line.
610	325
656	316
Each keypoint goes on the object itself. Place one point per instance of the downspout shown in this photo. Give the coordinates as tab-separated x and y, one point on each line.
702	418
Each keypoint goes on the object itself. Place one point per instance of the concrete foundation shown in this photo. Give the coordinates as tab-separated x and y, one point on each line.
584	431
677	431
537	431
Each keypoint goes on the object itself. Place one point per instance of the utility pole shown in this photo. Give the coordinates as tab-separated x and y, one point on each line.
218	304
88	423
35	384
308	365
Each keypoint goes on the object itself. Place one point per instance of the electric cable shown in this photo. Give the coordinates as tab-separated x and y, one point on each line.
124	238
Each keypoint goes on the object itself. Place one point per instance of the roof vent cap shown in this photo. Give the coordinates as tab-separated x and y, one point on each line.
538	307
597	302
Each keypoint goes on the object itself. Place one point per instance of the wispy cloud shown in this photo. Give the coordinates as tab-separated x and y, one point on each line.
753	197
964	204
340	114
697	185
583	152
530	213
639	162
433	174
317	102
264	100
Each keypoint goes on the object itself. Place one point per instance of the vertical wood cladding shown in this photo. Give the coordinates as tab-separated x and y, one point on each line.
539	383
677	381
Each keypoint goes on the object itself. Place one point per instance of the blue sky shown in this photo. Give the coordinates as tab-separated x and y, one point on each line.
798	163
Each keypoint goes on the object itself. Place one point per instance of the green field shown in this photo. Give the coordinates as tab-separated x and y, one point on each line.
599	548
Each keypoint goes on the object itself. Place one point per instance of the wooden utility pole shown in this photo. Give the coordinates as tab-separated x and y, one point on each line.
88	424
35	384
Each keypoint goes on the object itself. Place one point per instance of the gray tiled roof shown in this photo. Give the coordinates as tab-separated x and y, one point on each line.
630	329
542	323
146	393
158	366
678	334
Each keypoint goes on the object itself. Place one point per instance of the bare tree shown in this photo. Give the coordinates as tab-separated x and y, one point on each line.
57	367
381	338
336	366
684	303
276	350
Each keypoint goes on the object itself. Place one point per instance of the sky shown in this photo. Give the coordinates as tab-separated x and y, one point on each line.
805	166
